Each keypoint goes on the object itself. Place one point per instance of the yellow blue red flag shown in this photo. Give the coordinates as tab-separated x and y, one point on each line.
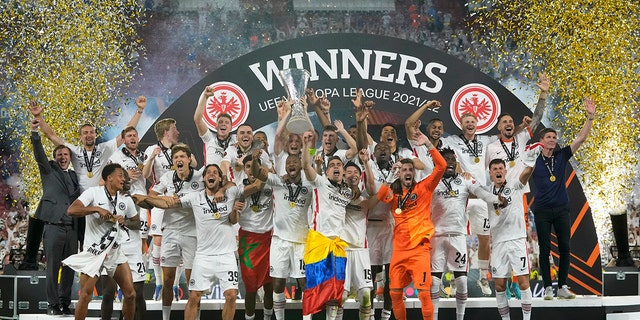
325	261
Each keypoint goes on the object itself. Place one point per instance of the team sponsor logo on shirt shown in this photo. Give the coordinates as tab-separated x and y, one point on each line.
478	99
339	200
227	98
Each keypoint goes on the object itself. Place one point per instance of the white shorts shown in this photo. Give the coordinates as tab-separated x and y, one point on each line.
507	256
285	258
478	217
114	258
380	239
137	266
207	268
358	270
449	253
155	225
176	249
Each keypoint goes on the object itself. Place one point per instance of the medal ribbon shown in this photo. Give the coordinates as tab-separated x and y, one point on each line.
448	183
549	164
112	200
137	160
404	199
473	150
293	195
89	162
511	155
212	205
166	155
177	183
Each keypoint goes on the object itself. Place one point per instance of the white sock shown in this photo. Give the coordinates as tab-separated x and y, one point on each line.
483	265
332	310
386	314
267	313
435	294
527	298
461	296
246	317
155	263
339	313
279	302
503	305
166	312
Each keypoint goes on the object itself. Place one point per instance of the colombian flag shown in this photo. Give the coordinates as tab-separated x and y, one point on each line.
325	261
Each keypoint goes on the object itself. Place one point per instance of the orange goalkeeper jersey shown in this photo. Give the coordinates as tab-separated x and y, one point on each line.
414	224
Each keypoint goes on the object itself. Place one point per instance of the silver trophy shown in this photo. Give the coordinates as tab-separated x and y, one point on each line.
295	83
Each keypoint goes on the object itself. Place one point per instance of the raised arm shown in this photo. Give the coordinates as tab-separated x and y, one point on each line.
141	103
257	170
36	110
322	106
38	150
309	172
410	124
590	108
198	115
352	151
544	84
370	181
363	139
282	135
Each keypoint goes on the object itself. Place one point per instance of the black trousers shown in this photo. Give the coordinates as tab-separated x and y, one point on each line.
59	243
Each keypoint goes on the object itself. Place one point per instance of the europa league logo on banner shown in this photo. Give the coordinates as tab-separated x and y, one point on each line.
295	83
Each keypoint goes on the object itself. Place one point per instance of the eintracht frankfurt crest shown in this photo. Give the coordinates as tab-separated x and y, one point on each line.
227	98
479	100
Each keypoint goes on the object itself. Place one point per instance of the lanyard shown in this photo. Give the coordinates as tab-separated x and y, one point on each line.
293	195
89	162
112	200
511	155
139	160
448	185
166	154
177	183
403	200
212	205
473	150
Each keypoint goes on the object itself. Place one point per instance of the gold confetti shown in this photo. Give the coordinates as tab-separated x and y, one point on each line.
589	48
70	56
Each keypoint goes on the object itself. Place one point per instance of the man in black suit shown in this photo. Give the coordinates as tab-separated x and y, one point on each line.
59	189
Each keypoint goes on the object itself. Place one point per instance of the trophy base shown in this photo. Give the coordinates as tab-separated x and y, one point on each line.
299	125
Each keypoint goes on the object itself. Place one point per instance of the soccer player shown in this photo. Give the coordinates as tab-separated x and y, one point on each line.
509	232
411	207
215	143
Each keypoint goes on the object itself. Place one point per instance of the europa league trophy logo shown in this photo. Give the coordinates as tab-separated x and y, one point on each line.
295	83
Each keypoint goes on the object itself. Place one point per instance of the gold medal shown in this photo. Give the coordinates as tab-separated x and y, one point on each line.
216	215
552	178
398	211
255	208
452	193
140	166
476	160
292	204
173	167
497	212
90	174
512	163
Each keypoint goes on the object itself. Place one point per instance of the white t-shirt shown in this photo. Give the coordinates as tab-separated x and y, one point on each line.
180	220
329	204
96	227
232	155
257	215
355	226
100	155
508	223
161	163
449	203
215	233
139	185
290	221
214	149
495	150
466	154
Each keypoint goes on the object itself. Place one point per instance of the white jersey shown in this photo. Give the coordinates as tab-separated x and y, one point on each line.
507	223
161	163
340	153
131	162
96	227
215	233
471	154
291	205
257	215
214	149
329	204
449	204
232	155
96	160
355	226
180	220
509	150
132	244
381	211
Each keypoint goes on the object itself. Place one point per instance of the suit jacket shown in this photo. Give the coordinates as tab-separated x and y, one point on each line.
56	195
